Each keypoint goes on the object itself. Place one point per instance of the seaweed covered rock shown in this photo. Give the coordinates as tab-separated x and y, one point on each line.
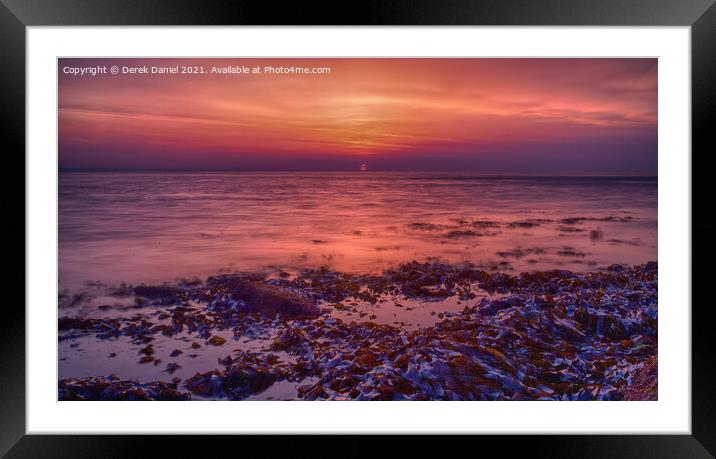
550	335
78	323
644	382
291	338
110	388
156	291
245	375
253	295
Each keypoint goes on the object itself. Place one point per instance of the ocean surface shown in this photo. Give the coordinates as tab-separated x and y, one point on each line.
152	227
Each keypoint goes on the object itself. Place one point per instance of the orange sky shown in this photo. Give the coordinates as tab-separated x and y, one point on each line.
399	113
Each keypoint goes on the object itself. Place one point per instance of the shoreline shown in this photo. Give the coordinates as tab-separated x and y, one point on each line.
325	335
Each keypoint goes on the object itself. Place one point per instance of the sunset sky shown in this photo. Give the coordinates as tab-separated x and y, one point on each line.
483	115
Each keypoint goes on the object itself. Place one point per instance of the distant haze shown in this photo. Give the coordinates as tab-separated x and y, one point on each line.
534	116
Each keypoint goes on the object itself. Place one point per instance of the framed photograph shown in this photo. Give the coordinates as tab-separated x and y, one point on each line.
406	219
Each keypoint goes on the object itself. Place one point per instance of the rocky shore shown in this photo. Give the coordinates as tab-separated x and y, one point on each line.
324	335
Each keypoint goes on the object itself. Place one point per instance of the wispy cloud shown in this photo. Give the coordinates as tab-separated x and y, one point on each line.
364	107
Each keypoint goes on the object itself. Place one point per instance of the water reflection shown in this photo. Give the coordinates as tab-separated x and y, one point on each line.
154	227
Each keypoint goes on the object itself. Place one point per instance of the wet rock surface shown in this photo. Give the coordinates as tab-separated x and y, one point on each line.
110	388
551	335
253	295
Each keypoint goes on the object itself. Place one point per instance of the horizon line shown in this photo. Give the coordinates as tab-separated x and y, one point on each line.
486	173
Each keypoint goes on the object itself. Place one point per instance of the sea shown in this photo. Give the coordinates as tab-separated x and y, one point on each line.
155	227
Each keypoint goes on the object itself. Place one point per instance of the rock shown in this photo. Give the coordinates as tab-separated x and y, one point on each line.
102	388
644	384
172	367
217	340
261	297
247	375
155	291
287	340
68	323
546	335
148	350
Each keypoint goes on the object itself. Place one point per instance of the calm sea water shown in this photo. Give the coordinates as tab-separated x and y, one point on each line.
155	227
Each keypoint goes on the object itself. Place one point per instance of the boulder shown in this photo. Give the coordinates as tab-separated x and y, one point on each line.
258	296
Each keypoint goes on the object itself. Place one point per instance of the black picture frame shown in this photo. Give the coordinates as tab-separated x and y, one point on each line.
16	15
